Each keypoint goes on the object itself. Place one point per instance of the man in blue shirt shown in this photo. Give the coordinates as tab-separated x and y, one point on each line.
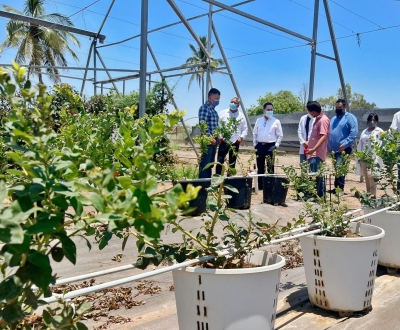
209	115
344	130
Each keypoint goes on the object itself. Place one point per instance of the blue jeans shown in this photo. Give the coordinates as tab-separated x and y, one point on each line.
207	158
303	158
314	164
339	181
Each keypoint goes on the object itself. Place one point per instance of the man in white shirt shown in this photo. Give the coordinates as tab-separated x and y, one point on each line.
396	126
267	136
304	131
231	144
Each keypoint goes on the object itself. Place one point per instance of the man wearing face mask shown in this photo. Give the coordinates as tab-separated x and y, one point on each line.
344	130
306	124
209	115
267	136
231	144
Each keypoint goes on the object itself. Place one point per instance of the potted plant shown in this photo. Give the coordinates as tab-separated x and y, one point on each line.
340	261
207	294
387	180
275	186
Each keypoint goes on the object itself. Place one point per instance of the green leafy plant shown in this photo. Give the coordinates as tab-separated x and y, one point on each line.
52	174
329	215
385	176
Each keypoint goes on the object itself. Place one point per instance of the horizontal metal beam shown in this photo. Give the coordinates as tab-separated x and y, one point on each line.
172	24
326	56
259	20
52	25
69	68
134	76
64	76
186	73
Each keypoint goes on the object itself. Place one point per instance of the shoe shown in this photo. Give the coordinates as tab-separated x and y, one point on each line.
332	191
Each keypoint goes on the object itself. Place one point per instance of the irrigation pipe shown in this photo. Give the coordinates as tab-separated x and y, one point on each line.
132	266
106	285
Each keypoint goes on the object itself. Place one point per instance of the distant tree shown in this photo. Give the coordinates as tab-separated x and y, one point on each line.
303	95
198	57
283	101
327	103
356	100
38	45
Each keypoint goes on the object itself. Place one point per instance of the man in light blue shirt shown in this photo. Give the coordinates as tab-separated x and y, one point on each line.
344	130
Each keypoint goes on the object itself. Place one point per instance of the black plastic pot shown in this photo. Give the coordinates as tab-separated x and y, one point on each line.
274	192
200	203
242	199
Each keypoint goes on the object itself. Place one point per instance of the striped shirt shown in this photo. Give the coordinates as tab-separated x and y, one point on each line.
208	114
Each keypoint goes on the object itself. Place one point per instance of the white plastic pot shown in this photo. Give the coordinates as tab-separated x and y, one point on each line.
340	272
229	299
389	221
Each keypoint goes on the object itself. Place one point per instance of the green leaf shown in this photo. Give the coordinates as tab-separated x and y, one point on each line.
125	181
9	290
69	248
38	259
15	172
104	240
47	225
57	254
83	308
12	313
11	232
231	188
77	205
98	202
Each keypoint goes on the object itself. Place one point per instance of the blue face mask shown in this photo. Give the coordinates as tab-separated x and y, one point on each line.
233	106
215	103
269	114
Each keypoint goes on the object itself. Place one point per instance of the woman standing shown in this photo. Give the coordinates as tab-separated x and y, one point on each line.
371	132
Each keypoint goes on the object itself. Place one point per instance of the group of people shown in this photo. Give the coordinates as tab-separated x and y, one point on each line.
318	136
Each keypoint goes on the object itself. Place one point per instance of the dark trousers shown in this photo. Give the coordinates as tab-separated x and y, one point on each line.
265	152
224	149
207	158
339	181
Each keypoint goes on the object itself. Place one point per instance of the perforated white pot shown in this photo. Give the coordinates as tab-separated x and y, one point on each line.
389	221
340	272
229	299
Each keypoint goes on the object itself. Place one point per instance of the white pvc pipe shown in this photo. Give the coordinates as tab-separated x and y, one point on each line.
106	285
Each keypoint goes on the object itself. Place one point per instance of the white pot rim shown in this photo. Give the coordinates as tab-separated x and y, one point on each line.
237	271
380	234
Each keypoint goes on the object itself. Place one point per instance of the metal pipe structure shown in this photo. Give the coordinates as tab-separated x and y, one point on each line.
172	98
153	72
52	25
143	57
187	73
94	66
70	67
108	73
326	56
208	75
250	129
105	19
336	51
172	24
190	29
86	69
313	51
259	20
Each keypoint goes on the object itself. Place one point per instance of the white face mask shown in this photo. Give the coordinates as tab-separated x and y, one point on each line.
269	113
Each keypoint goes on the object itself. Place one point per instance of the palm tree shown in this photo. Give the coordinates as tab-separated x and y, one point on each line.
38	45
198	58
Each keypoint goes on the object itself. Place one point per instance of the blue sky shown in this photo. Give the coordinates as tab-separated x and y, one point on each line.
256	53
